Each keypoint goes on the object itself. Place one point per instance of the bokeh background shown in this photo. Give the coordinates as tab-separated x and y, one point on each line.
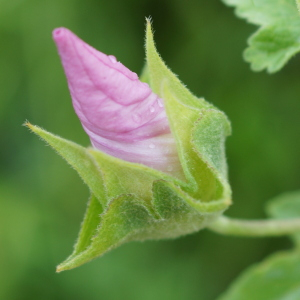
42	200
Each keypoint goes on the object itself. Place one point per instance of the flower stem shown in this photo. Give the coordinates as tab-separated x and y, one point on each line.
255	228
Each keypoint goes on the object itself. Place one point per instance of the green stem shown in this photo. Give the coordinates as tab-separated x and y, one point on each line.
255	228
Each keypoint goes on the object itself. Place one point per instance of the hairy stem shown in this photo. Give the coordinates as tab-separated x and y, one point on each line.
255	228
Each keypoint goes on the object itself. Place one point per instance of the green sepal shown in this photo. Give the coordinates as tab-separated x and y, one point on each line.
168	211
127	218
88	229
145	77
78	157
199	128
179	213
157	73
123	217
123	177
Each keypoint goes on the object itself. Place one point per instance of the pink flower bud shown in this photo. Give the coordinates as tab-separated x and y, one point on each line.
121	114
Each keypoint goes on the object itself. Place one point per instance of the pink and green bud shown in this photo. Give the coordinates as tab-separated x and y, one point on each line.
157	168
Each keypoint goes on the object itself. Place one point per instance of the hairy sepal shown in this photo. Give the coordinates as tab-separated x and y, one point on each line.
199	128
140	203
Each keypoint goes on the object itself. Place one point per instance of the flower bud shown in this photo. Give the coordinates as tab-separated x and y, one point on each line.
121	114
131	199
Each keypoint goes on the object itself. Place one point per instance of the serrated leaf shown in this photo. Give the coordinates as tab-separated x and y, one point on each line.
78	157
277	278
286	206
278	37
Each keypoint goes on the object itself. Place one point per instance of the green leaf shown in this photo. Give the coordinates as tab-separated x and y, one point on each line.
277	278
278	37
286	206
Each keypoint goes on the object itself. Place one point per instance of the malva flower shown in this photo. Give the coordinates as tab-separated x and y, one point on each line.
157	168
121	114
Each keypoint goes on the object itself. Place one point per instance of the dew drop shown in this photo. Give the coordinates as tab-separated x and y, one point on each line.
136	118
152	109
112	59
152	146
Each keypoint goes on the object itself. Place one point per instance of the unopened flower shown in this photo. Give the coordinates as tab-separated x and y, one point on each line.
157	168
121	114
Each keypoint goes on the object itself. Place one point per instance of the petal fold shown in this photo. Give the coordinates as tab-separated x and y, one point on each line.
121	114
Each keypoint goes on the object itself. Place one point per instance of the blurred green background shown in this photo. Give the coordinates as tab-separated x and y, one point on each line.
42	200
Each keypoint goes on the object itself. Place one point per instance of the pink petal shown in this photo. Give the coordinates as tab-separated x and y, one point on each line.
121	114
